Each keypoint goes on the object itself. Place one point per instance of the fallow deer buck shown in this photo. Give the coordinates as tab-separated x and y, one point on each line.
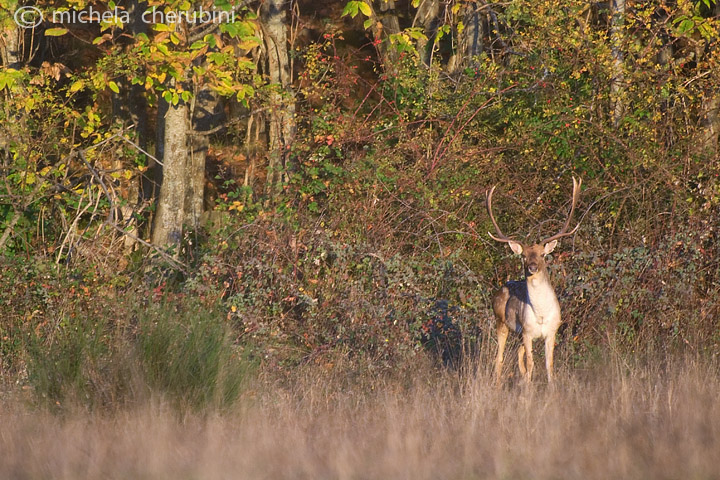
529	307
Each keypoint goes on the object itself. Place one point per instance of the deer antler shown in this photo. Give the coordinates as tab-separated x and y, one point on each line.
563	232
501	236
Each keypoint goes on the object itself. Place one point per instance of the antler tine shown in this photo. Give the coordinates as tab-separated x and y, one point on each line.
563	232
501	236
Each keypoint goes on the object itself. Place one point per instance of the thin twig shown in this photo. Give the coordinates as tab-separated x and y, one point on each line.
109	219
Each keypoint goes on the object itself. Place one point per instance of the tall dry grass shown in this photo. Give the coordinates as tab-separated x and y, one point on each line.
614	421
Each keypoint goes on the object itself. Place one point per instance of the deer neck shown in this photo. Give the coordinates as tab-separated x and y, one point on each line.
540	279
541	293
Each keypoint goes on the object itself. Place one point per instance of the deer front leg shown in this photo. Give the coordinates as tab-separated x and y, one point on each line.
502	334
529	362
521	360
549	349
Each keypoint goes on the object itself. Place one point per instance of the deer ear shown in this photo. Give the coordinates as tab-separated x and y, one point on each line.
549	247
516	247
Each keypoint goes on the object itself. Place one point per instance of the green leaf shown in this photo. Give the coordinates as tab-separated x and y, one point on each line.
217	58
55	32
223	5
416	33
367	23
351	8
245	91
113	86
686	26
211	40
231	29
9	77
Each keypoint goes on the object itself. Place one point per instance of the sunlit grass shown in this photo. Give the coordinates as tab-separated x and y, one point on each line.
611	421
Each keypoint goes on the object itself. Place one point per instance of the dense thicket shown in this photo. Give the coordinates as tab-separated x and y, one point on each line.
314	174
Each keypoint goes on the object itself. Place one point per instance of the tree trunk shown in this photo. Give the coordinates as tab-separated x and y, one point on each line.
617	42
282	98
207	114
10	53
470	40
427	18
710	124
170	212
385	23
710	121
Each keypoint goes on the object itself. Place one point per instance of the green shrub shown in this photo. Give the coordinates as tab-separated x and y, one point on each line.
177	349
186	352
83	363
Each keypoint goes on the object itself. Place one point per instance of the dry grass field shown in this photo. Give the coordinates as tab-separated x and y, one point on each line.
618	421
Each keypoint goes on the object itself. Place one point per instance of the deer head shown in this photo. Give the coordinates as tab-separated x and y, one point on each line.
534	255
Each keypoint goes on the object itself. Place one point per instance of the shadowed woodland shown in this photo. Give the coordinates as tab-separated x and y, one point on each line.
276	224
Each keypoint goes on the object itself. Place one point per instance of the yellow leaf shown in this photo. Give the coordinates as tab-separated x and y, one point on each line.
365	9
55	32
77	86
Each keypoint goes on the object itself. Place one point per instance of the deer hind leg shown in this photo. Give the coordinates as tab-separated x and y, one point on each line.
549	349
529	362
502	334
